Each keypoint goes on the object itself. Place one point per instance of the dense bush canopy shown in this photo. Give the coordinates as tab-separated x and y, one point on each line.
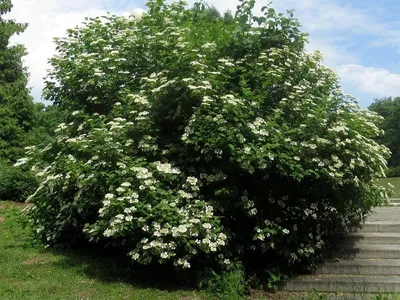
197	139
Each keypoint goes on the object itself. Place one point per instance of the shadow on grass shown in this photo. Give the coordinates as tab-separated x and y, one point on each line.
105	265
112	266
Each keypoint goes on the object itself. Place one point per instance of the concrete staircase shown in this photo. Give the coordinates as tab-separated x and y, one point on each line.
395	201
367	261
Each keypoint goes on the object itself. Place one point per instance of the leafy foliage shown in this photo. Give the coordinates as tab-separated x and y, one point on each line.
17	116
15	183
389	108
199	143
47	118
16	105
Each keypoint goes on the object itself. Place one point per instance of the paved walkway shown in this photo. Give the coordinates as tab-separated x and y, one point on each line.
391	213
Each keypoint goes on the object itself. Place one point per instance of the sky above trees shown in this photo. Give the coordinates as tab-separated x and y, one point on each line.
360	40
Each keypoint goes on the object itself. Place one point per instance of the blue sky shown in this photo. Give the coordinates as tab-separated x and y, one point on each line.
360	39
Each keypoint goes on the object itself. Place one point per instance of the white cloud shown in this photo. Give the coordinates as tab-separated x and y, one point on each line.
48	19
377	81
330	26
327	22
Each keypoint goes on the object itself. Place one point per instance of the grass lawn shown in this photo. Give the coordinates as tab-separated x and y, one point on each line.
395	181
29	272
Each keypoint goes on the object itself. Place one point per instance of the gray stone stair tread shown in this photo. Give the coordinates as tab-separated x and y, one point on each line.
385	214
351	279
373	234
369	247
345	283
366	262
383	222
370	259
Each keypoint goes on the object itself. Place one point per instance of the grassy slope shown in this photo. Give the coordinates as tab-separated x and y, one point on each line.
28	272
395	181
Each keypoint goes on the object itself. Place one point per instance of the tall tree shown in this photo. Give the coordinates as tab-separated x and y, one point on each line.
16	105
389	108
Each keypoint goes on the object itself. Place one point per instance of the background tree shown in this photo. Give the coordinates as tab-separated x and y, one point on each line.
16	105
47	118
389	109
17	113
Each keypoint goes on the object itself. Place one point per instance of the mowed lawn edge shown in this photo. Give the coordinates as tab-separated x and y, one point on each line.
395	181
31	272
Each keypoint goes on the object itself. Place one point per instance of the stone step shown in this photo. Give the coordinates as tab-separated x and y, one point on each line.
380	226
389	238
368	251
361	296
362	267
285	295
352	284
394	200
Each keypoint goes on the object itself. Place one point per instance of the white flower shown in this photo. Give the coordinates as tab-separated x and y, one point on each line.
207	225
253	211
108	232
129	210
164	231
21	162
182	228
134	255
120	190
74	113
126	184
222	236
109	196
191	180
183	194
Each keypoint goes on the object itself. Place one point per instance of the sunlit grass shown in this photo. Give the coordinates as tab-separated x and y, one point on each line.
395	181
30	272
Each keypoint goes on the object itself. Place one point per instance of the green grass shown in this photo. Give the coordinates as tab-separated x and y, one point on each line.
30	272
394	181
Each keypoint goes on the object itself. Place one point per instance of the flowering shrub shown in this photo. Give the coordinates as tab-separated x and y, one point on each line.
196	138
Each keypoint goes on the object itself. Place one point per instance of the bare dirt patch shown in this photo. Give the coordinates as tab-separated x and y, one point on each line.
34	261
86	294
1	219
21	205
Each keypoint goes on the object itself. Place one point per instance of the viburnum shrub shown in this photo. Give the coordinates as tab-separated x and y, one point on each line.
193	138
